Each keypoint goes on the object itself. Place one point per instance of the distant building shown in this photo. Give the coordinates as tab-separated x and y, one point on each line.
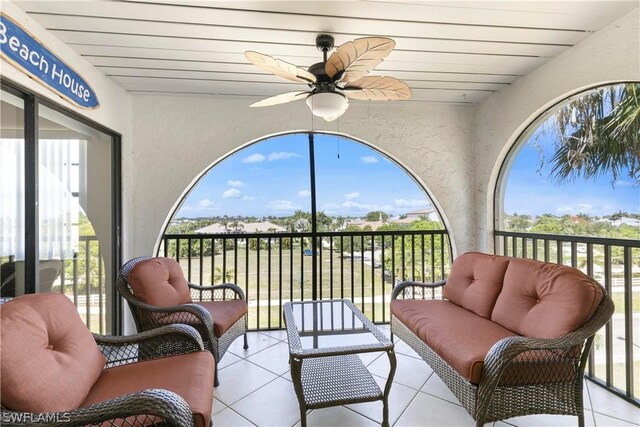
242	227
633	222
426	212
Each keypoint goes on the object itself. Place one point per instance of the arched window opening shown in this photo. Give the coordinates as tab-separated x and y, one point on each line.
569	192
306	216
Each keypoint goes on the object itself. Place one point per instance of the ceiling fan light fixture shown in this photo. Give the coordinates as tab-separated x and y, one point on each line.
327	104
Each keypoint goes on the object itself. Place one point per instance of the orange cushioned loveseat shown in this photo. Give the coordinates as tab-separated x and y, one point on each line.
508	336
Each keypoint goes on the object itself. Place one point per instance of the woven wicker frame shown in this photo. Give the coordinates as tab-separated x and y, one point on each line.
324	377
543	388
148	317
148	407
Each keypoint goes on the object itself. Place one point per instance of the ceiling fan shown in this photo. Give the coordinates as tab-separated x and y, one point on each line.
338	78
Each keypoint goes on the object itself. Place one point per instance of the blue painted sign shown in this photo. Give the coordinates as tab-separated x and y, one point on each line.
25	52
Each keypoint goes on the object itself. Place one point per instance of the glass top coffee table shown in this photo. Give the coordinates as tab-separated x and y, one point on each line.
325	338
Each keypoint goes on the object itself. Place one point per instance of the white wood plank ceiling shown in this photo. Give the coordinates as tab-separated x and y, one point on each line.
447	51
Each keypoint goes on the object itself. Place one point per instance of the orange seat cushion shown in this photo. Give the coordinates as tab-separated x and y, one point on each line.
543	300
457	335
475	282
225	313
159	282
189	375
50	360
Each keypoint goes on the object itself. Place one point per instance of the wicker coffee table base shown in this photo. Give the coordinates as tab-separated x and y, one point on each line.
321	382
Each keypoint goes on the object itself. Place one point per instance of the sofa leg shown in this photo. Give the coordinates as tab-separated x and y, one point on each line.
246	344
216	381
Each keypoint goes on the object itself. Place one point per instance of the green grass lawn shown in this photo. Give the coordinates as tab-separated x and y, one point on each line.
275	278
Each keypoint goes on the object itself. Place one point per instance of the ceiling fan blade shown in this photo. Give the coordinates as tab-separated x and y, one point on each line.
280	99
353	60
280	67
376	88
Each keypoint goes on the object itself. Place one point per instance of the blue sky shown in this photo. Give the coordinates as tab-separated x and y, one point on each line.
272	178
529	189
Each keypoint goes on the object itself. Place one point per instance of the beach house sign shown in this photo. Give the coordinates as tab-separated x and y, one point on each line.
21	49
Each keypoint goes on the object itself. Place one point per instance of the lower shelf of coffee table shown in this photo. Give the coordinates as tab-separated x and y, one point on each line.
337	380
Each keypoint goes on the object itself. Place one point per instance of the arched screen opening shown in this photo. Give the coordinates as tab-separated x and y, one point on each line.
569	193
576	169
308	216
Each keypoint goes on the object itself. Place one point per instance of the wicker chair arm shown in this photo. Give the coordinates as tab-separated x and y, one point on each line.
170	340
223	288
503	353
166	406
179	332
400	287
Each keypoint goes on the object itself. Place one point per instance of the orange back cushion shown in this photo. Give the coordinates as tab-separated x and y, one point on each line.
475	281
543	300
159	282
50	361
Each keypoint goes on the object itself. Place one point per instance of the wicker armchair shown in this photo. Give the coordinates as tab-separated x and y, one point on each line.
158	295
77	367
520	375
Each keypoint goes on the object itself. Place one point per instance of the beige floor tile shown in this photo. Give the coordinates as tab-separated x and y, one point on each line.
399	398
275	404
240	379
228	359
436	387
257	342
550	420
607	403
409	371
429	411
280	334
229	418
274	358
337	416
605	421
402	348
217	405
369	358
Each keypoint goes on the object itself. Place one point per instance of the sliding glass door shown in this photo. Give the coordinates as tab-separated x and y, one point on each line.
59	211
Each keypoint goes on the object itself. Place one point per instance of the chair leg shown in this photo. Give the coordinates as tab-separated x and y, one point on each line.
581	419
246	344
216	381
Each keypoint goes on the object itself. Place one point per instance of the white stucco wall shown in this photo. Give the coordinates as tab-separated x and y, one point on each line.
176	138
610	55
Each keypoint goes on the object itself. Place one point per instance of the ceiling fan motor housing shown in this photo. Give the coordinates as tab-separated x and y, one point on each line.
318	70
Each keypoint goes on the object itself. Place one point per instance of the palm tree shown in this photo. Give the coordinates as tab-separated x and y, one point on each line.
599	134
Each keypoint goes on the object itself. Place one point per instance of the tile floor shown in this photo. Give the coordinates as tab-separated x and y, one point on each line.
256	390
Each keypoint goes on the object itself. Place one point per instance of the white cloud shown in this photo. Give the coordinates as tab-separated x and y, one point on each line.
304	193
205	204
349	206
231	193
235	183
283	205
351	196
586	208
369	159
411	203
281	155
248	198
201	205
254	158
